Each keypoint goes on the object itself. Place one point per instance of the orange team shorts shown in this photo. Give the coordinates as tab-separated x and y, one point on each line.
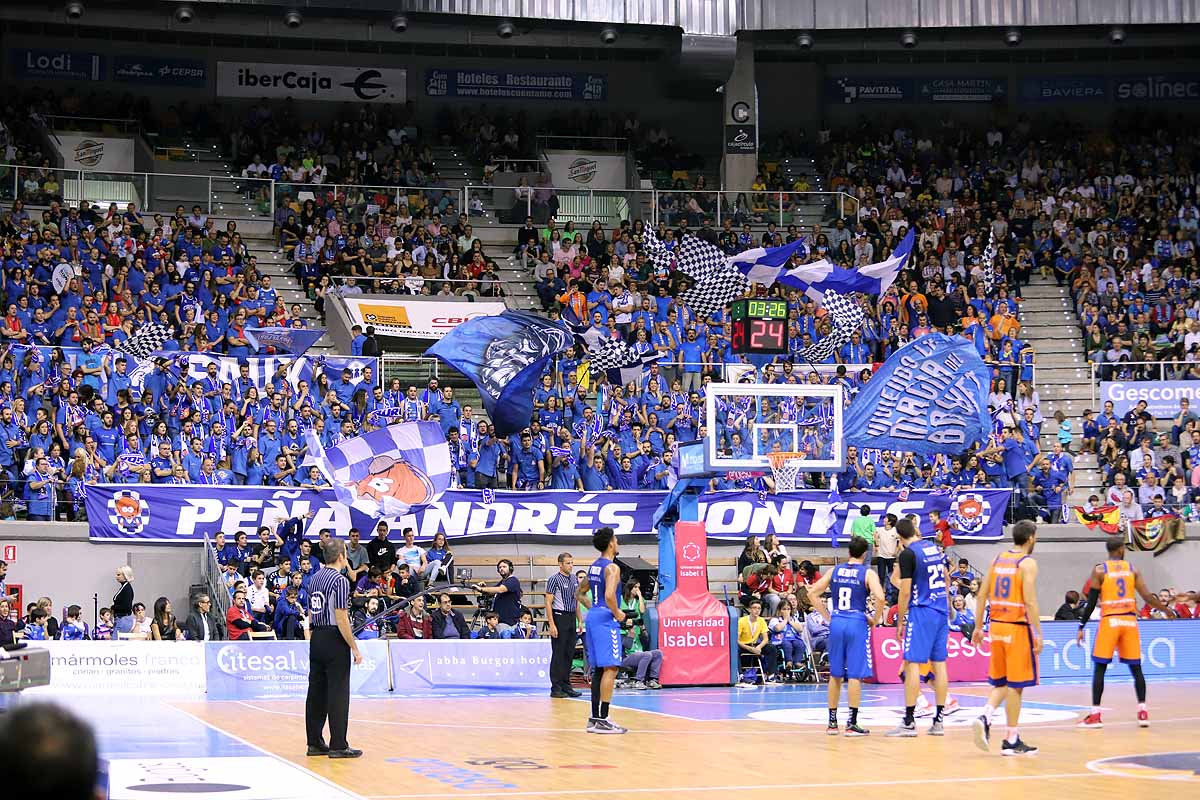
1012	662
1118	633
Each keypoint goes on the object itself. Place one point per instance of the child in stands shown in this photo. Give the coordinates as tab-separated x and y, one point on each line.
73	629
104	628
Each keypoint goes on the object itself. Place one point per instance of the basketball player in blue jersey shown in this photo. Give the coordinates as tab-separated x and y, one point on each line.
923	623
849	629
602	634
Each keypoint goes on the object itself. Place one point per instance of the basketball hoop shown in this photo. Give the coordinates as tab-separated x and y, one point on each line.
785	469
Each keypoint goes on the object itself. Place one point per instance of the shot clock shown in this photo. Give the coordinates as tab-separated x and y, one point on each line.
759	326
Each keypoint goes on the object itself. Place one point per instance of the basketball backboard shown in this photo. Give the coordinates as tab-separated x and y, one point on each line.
746	421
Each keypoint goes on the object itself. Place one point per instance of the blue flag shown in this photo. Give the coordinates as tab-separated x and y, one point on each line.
284	340
504	357
929	397
821	276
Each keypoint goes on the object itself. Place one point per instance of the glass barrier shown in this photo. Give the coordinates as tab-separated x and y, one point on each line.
359	201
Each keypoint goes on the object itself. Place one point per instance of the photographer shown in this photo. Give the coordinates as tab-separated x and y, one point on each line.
506	593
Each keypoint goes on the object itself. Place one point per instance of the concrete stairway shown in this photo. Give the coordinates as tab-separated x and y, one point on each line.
1062	375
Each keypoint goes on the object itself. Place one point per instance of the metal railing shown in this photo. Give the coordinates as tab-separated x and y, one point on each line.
513	204
238	197
1144	372
157	190
604	144
211	573
82	123
414	369
360	200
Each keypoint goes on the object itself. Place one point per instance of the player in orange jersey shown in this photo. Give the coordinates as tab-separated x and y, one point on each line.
1009	593
1113	584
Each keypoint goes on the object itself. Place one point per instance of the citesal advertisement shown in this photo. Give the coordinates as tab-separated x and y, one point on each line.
415	319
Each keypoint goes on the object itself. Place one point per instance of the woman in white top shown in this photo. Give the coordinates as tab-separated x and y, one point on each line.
774	547
1027	397
141	623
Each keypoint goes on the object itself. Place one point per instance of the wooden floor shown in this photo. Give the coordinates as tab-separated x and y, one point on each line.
691	743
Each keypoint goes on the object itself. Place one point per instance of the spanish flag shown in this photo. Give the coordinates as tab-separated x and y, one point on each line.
1106	518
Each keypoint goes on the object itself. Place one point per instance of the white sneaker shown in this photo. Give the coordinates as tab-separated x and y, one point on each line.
924	707
952	705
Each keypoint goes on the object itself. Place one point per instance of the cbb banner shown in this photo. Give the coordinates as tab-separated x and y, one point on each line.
185	513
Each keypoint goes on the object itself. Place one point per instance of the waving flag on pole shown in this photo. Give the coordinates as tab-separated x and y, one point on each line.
846	316
821	276
388	472
929	397
147	339
285	340
504	356
764	264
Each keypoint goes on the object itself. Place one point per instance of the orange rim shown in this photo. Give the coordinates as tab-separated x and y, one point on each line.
780	459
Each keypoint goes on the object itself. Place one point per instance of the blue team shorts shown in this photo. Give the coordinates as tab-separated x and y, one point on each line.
602	638
926	635
850	648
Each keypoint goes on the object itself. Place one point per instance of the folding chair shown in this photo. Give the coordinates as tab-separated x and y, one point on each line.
755	663
811	663
262	634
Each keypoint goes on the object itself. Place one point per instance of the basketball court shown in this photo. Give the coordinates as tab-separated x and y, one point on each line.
683	743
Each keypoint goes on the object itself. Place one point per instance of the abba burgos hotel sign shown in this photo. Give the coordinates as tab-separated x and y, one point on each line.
312	82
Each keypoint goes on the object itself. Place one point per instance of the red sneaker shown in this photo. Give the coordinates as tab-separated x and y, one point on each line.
1143	719
1091	721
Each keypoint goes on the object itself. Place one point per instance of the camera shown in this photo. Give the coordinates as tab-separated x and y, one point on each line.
400	23
293	19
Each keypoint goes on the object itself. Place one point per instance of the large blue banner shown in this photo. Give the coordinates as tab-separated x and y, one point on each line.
267	670
470	664
185	72
66	65
516	85
930	396
1170	649
150	512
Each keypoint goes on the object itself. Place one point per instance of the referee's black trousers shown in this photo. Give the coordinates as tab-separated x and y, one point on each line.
328	688
562	650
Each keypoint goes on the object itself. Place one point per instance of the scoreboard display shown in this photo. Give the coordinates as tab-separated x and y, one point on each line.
759	326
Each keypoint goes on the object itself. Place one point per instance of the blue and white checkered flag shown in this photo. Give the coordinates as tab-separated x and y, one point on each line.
821	276
388	472
846	316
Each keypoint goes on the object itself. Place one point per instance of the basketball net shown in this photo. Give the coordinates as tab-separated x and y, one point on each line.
785	469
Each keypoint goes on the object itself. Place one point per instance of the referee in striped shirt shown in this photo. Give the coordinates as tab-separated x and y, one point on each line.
561	608
330	648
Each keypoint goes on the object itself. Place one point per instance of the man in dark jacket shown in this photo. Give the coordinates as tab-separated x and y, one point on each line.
449	623
202	624
1070	611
